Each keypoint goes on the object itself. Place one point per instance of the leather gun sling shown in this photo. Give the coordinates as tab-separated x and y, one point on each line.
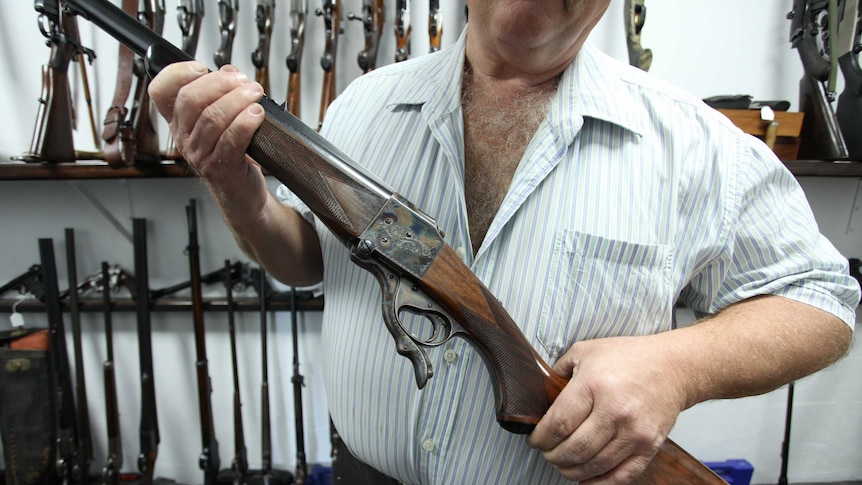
118	134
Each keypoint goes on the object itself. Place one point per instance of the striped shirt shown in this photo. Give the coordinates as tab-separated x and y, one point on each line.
631	195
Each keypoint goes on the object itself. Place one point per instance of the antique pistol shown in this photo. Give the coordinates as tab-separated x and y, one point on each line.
403	248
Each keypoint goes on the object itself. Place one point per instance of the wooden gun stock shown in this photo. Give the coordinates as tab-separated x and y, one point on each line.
331	13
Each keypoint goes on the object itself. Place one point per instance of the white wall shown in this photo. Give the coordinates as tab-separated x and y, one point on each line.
729	47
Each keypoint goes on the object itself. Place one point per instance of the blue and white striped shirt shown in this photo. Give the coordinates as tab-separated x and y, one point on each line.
631	195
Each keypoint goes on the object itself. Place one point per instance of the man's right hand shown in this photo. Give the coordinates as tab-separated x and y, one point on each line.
212	117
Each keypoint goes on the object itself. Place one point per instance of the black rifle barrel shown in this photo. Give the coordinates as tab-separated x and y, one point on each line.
266	439
61	378
240	460
298	381
149	427
114	460
84	442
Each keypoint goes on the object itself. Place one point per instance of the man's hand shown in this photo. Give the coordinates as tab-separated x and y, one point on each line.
616	411
212	117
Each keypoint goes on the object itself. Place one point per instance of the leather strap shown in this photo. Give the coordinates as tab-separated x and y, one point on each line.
117	134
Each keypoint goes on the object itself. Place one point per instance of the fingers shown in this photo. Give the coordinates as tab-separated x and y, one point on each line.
163	88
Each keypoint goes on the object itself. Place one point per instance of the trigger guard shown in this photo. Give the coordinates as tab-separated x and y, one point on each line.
405	343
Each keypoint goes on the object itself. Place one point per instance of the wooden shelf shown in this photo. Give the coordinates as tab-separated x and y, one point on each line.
91	170
169	168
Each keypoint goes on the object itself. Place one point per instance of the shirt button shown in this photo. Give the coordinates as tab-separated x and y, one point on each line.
450	356
428	446
461	252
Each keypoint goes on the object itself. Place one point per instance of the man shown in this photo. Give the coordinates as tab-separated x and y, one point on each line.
592	197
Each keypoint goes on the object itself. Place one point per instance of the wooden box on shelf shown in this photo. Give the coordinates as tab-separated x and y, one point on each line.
784	129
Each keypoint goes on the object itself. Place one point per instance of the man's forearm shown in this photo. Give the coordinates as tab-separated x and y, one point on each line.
754	347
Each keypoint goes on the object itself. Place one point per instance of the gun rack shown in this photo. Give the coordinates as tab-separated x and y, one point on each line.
90	305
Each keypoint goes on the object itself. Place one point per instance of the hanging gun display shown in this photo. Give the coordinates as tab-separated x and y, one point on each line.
296	16
331	13
372	19
227	13
149	427
815	30
634	16
402	30
402	247
263	16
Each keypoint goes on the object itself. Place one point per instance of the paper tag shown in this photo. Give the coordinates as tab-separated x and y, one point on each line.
17	320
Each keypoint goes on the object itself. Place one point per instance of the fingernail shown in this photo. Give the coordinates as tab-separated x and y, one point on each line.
198	67
240	76
255	110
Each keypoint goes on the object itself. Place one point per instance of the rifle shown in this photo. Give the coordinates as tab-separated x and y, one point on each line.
298	382
372	26
298	9
235	271
634	15
418	271
61	377
84	450
435	25
260	57
848	111
149	427
189	16
30	281
331	13
402	30
146	135
227	12
52	136
114	461
265	438
209	458
239	466
820	137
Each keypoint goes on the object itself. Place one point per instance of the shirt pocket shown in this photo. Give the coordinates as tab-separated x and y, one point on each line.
602	287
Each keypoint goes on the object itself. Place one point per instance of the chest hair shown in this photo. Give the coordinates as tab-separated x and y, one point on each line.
498	126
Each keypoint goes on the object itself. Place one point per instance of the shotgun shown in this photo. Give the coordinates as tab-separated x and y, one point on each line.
296	16
84	442
634	16
239	466
260	57
435	25
114	461
227	12
402	30
402	247
149	424
65	438
372	19
209	457
331	13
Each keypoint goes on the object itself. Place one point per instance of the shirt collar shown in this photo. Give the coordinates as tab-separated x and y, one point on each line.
593	86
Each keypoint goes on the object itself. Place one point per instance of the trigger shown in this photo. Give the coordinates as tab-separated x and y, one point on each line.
422	369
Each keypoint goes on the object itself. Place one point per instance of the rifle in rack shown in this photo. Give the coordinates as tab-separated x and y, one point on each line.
263	16
65	459
84	444
298	382
53	139
402	30
331	13
146	134
209	457
236	272
435	25
403	248
848	111
190	13
149	427
634	16
296	17
265	437
239	465
821	137
372	19
114	461
28	282
227	12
